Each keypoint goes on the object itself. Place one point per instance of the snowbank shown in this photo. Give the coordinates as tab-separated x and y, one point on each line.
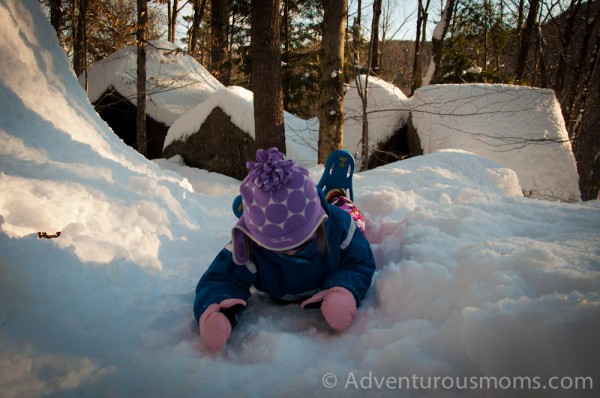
472	282
102	195
175	81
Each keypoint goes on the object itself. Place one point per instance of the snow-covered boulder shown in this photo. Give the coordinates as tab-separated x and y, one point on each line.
218	134
176	82
387	111
521	128
518	127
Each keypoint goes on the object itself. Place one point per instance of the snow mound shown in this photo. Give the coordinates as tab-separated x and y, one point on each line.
175	81
101	194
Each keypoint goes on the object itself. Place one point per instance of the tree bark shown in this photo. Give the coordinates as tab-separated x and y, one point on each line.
417	72
56	15
142	17
528	31
584	68
586	143
565	46
266	74
356	33
218	47
173	22
331	84
80	45
437	40
285	58
375	35
199	6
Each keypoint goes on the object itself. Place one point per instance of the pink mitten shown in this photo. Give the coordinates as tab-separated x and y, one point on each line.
215	326
337	305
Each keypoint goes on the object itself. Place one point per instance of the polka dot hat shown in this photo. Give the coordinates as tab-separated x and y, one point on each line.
282	208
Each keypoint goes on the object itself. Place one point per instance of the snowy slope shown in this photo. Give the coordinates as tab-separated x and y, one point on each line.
176	82
473	280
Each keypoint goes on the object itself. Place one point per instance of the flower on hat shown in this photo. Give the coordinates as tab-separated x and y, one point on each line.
270	170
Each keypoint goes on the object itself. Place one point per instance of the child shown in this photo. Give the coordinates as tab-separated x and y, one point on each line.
291	244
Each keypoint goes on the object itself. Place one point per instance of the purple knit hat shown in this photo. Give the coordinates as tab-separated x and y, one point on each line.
282	208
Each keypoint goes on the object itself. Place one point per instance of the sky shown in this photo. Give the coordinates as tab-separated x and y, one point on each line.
479	290
402	17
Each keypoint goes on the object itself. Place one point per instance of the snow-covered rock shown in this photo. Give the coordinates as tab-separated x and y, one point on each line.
521	128
175	81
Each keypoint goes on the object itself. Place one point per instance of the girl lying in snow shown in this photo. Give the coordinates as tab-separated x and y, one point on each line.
291	242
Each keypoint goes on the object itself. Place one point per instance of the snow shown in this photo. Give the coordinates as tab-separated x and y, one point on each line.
473	279
175	81
438	31
474	70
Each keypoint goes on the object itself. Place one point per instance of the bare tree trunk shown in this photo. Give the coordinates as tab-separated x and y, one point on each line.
80	45
56	15
142	17
528	31
586	146
228	65
565	45
578	97
218	47
266	74
417	74
375	35
542	59
356	33
199	6
331	84
286	54
437	40
363	93
173	22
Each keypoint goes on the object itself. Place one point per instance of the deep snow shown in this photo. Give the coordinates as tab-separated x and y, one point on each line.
473	279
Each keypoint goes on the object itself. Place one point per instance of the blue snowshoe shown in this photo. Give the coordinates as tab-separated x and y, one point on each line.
338	172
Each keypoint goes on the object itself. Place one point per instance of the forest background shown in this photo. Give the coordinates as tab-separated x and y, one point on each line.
541	43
